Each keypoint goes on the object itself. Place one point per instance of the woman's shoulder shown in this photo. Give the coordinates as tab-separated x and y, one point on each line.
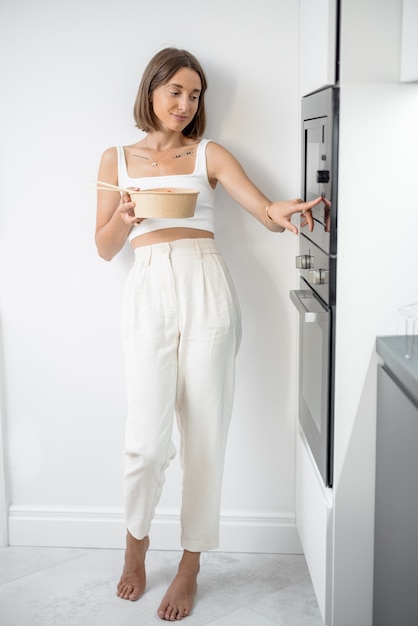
221	163
110	155
215	150
211	145
214	146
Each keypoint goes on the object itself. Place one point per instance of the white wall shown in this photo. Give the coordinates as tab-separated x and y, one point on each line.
69	75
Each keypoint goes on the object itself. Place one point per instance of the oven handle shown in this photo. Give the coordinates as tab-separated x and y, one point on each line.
308	306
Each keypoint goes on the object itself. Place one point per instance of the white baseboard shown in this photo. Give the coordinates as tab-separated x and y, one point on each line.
104	528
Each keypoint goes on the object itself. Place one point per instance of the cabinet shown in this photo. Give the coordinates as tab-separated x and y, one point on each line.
409	52
395	599
318	45
378	118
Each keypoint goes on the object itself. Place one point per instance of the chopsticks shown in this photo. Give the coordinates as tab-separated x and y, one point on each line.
101	186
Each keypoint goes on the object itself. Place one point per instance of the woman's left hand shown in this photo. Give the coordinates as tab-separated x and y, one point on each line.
281	213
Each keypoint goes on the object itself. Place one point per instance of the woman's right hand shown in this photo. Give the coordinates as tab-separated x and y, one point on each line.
126	208
115	215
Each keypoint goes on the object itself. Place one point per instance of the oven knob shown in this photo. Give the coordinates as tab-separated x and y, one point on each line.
318	277
304	262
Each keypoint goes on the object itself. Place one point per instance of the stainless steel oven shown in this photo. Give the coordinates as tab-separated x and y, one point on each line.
317	261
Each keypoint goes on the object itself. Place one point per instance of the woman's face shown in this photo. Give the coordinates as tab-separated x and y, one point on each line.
175	103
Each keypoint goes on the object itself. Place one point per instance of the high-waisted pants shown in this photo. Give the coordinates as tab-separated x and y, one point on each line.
181	330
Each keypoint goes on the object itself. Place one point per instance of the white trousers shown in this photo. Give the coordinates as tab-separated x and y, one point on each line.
181	329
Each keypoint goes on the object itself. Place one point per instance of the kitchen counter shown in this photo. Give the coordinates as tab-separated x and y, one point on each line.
392	350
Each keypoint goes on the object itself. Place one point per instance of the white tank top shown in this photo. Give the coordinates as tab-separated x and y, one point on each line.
203	217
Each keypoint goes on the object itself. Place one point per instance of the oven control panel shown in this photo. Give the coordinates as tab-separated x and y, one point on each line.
314	265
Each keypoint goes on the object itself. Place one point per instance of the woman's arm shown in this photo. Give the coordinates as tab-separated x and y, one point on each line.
115	215
224	168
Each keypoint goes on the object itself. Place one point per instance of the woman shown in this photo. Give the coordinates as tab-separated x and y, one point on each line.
181	319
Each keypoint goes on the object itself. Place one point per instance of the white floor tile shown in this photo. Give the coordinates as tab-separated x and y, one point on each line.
244	617
295	604
59	587
17	562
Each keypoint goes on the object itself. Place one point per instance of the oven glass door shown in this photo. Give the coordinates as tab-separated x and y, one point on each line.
314	376
317	179
319	162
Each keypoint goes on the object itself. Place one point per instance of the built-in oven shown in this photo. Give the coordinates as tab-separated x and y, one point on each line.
315	299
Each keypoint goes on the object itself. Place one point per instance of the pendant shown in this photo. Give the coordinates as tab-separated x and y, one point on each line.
154	164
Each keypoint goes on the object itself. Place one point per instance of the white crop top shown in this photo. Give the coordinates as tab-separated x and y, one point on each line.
203	217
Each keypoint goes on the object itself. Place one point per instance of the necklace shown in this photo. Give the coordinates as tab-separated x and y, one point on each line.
155	162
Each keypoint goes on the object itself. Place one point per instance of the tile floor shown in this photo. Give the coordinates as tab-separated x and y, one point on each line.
75	587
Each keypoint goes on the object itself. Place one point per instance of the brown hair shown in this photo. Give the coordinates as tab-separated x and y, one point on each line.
159	70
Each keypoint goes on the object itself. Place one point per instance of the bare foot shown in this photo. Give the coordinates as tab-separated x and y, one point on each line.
178	601
132	582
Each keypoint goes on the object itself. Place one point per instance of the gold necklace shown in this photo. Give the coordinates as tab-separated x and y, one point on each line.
155	162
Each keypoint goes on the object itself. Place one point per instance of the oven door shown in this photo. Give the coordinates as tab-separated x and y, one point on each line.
314	377
319	175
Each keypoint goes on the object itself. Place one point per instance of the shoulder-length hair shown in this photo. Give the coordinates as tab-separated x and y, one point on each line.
158	72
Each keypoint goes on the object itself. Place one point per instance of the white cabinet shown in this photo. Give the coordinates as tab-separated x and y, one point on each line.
396	530
314	504
409	53
318	44
377	120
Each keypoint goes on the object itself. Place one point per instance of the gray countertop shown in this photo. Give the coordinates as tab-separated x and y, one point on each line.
392	351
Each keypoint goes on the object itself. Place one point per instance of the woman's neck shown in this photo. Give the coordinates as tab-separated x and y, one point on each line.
158	141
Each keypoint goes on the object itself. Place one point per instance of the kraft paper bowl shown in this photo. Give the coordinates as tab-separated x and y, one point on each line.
165	202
